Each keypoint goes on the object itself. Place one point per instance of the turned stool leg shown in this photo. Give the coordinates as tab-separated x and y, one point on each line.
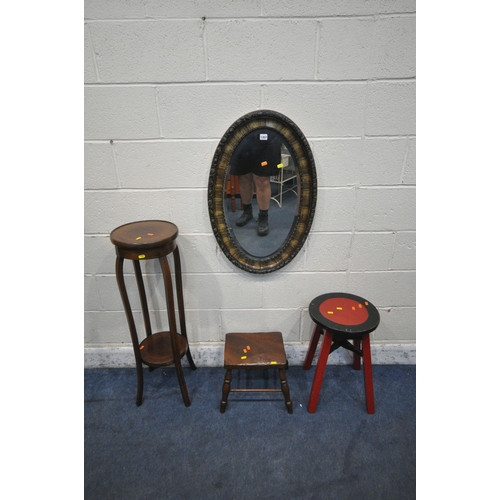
312	347
285	390
225	390
320	371
368	375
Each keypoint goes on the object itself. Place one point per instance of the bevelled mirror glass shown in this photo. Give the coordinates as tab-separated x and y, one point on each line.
262	191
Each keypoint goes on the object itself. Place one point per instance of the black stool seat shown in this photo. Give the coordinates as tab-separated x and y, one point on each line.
341	317
348	315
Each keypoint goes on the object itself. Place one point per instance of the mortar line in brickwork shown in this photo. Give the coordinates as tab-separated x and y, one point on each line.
318	139
260	18
158	114
386	271
146	190
211	139
389	137
115	163
386	186
405	159
394	233
372	49
205	48
94	60
349	187
370	76
152	140
352	232
316	50
247	83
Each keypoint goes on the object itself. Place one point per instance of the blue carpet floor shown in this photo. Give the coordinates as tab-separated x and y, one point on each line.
256	450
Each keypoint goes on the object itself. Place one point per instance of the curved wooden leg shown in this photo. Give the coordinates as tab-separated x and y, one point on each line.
190	358
167	278
225	390
144	301
319	374
285	390
131	324
180	303
182	384
368	374
140	385
142	295
312	347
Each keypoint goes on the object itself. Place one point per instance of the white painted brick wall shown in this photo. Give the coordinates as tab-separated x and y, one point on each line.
164	81
137	51
200	111
261	50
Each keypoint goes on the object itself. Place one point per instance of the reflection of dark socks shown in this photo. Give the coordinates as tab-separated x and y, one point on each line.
263	214
247	209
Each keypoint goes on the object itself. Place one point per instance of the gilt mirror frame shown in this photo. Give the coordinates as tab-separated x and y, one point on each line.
307	196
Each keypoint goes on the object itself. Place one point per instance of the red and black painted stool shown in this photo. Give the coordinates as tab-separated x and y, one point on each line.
341	317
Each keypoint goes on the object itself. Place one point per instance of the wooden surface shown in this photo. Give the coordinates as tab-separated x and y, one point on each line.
144	234
245	351
156	350
266	350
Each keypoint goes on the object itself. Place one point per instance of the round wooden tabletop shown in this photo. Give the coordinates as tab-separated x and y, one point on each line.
344	313
144	234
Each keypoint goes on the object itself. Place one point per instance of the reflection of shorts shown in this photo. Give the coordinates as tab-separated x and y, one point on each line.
259	152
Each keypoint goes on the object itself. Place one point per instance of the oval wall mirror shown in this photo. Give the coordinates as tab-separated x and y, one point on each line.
262	191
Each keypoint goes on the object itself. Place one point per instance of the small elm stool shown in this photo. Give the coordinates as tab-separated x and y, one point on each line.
143	240
341	317
244	351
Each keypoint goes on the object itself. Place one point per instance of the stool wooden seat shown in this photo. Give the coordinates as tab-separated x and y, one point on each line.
143	240
244	351
341	317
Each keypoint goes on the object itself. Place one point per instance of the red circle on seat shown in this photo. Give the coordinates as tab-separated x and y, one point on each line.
344	311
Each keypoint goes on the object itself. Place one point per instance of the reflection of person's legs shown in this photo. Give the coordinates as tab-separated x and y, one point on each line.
246	188
246	193
263	189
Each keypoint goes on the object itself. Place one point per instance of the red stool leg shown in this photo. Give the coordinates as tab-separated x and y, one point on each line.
356	357
312	347
319	374
368	375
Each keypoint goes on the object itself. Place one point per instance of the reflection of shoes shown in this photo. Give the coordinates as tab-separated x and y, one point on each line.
244	219
263	228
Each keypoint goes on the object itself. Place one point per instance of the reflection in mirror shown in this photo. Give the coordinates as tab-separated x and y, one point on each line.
262	191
